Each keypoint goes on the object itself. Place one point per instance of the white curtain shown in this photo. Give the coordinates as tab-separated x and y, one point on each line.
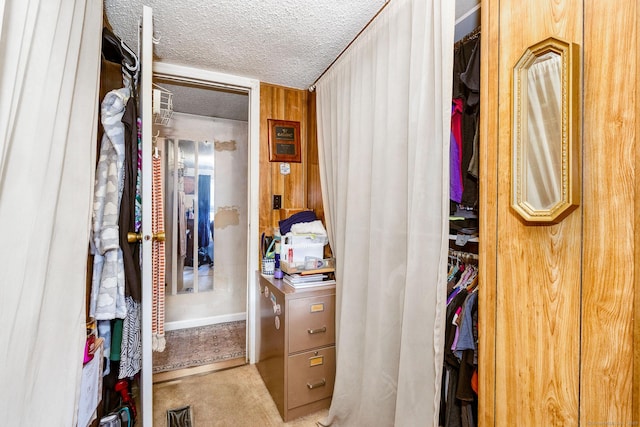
383	129
49	75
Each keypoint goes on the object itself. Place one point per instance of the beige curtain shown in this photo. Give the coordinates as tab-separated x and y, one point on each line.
49	73
383	128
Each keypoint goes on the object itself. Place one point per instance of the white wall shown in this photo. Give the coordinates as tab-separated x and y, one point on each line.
231	221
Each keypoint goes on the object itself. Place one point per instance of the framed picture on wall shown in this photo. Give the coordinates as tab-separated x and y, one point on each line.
284	141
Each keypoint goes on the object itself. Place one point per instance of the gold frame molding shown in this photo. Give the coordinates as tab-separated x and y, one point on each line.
570	127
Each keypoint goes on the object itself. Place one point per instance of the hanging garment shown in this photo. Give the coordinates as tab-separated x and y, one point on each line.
138	214
157	257
131	346
471	76
126	221
107	290
455	161
469	82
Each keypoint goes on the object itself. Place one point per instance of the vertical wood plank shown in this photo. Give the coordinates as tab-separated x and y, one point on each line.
537	324
635	396
610	183
487	247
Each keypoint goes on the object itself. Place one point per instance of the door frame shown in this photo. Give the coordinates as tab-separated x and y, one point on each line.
180	73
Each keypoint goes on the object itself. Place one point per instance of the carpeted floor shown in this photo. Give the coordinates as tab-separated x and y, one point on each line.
199	346
231	398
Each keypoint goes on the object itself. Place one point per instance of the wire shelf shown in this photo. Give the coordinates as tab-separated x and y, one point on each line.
162	105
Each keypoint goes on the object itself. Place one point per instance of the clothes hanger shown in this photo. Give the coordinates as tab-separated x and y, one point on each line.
116	50
111	46
131	57
471	287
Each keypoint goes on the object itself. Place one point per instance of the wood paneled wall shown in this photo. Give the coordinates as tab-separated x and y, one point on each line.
558	302
610	184
301	188
635	395
281	103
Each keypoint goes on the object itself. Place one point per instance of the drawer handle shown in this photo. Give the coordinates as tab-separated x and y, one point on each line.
320	383
317	331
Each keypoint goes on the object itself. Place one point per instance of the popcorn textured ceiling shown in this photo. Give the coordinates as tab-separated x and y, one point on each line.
284	42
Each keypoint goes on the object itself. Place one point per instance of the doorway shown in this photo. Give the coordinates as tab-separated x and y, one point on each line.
205	167
210	196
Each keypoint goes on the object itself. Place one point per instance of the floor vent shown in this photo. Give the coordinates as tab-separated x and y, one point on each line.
180	417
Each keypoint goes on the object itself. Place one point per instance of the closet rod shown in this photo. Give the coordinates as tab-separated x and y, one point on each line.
472	35
313	85
460	254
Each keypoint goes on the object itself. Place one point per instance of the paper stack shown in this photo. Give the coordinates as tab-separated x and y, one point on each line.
302	281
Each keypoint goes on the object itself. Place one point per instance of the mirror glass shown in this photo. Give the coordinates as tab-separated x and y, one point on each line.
189	209
542	141
545	157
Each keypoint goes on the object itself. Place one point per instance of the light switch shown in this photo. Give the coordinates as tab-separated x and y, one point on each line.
277	201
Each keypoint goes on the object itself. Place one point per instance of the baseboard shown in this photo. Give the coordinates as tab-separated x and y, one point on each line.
198	370
205	321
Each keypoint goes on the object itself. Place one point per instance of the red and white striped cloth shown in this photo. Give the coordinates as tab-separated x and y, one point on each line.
158	259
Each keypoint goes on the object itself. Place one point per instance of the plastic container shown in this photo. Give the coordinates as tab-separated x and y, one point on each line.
268	266
294	248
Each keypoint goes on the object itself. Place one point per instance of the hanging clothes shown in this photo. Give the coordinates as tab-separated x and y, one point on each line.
126	220
470	78
138	208
456	186
466	88
131	344
107	291
458	407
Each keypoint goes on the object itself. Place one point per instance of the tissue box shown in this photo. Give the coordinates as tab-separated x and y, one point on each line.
295	247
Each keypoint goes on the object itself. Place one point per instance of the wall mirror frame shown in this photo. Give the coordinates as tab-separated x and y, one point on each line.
545	172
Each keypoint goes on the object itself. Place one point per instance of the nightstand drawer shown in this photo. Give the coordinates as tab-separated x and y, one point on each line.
310	376
311	322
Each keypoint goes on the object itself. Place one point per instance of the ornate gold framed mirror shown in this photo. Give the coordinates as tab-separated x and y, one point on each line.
545	168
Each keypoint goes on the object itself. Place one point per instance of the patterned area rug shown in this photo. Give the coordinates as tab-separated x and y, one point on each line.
199	346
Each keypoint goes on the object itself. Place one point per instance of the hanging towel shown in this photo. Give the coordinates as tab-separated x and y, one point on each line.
158	260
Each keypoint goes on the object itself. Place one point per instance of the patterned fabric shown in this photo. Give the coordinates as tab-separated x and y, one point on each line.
139	180
157	256
107	288
131	347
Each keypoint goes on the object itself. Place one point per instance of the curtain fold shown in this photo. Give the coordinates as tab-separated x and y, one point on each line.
383	127
49	75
